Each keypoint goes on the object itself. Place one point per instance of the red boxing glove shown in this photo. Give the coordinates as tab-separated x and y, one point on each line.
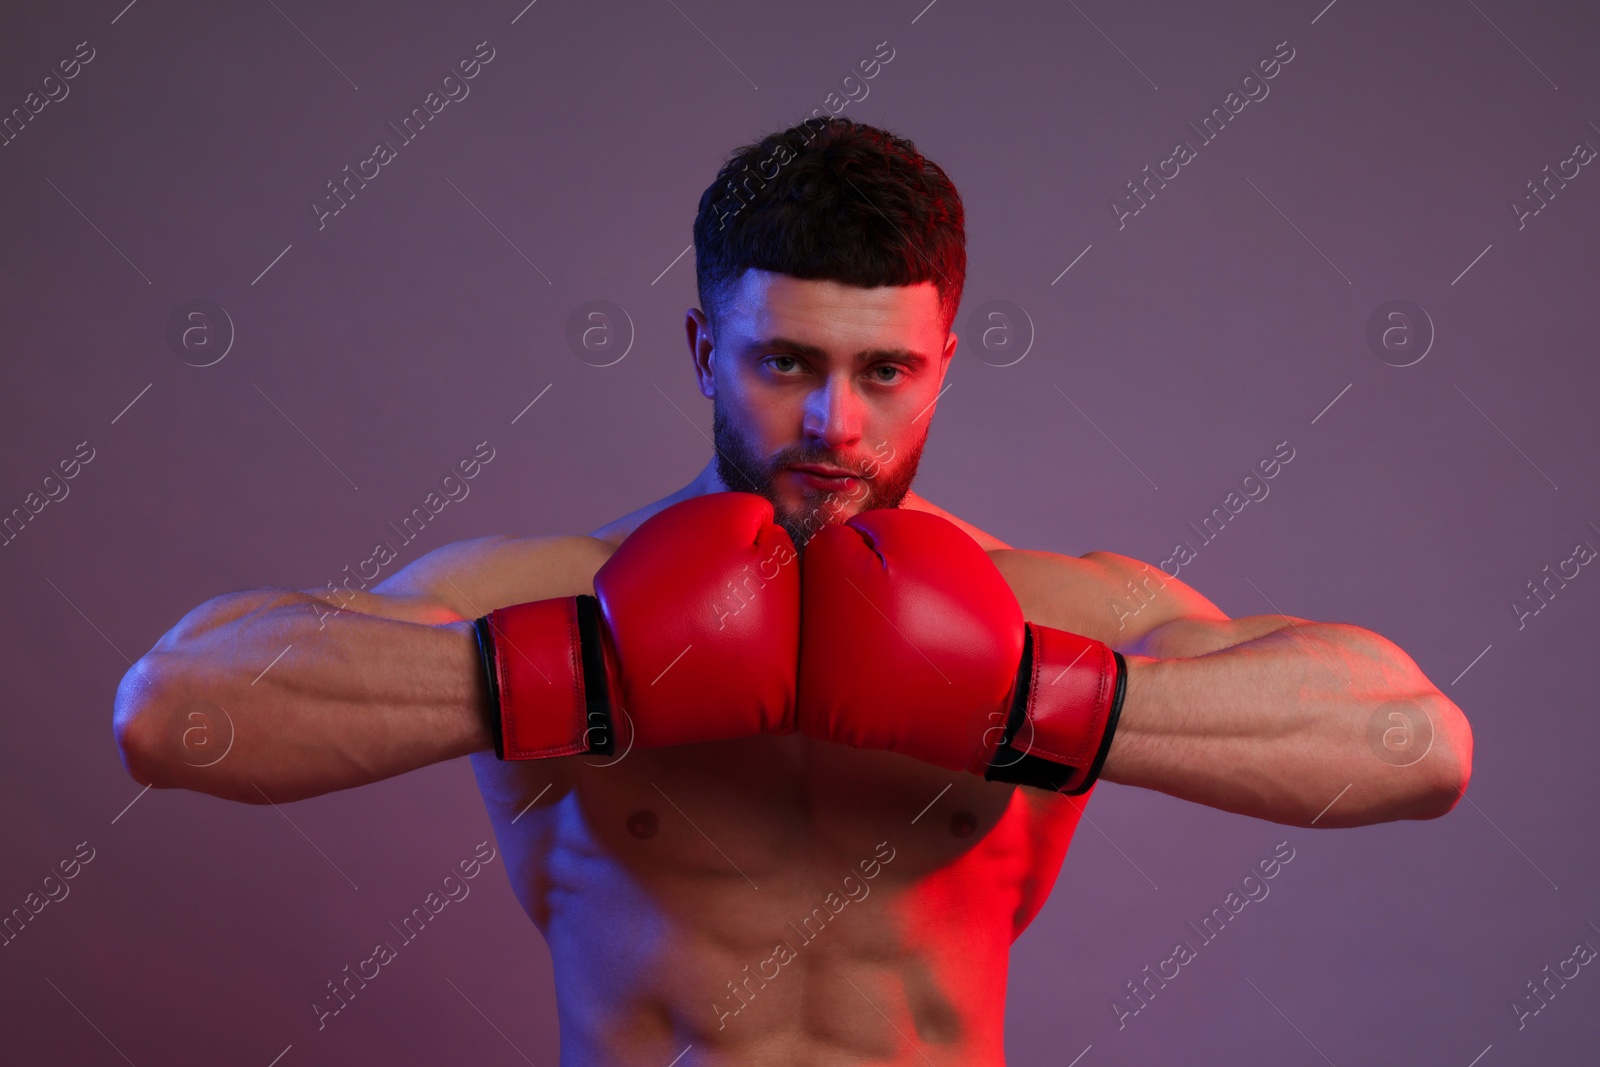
912	641
693	635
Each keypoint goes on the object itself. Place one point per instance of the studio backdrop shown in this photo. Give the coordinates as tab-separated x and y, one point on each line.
274	270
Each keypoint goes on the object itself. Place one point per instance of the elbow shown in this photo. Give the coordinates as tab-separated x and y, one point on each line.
1452	770
170	740
139	722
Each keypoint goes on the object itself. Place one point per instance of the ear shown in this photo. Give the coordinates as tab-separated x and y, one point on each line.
944	357
701	349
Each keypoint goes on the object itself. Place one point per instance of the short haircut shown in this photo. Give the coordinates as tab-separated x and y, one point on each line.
831	199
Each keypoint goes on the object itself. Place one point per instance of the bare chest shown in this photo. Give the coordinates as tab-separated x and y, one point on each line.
782	814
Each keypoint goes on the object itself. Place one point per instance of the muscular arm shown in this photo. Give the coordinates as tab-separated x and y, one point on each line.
307	693
1267	715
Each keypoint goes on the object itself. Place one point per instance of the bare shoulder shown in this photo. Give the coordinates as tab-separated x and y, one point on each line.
988	542
475	576
615	532
1065	592
470	578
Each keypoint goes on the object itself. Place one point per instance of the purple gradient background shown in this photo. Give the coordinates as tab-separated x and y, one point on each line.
1195	338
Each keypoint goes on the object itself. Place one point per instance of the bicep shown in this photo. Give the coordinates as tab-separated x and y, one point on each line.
1186	637
471	578
1169	620
1150	608
434	587
420	592
466	579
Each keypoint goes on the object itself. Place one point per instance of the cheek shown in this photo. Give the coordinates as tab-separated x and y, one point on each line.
770	420
765	432
894	442
760	403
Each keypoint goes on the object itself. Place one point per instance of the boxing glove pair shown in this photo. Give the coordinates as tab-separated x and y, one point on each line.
900	634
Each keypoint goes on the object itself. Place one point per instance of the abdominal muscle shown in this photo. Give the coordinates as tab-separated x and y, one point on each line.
775	900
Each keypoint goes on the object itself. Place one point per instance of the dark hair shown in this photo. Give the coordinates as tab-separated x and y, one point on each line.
834	199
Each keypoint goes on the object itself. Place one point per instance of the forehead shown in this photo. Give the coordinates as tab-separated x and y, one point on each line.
765	304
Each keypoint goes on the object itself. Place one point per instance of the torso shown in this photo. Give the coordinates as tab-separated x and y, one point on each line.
776	900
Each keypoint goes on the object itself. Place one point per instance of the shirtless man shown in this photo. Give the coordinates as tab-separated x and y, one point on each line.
777	899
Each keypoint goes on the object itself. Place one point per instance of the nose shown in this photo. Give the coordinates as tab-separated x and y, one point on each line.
834	414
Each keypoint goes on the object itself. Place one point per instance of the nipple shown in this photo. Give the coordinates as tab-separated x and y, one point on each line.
643	824
962	824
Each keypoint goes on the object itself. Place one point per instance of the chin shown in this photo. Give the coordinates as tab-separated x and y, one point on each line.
814	511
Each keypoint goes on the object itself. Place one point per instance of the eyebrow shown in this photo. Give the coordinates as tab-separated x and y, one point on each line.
870	355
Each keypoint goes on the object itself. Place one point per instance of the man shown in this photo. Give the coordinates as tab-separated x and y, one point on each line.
790	890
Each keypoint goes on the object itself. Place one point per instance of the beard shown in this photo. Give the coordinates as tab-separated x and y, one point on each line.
878	483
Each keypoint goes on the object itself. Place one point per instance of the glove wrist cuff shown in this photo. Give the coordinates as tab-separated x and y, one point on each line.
547	680
1064	712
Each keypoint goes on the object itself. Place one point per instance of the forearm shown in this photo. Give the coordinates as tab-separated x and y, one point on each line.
1281	725
272	697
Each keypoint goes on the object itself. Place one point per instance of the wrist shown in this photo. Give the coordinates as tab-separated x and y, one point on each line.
1144	673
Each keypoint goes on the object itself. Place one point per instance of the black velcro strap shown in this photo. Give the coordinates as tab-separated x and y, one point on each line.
599	735
1019	704
1016	767
1020	768
1012	764
485	636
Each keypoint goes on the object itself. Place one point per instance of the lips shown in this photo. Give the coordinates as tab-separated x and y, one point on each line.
821	471
825	479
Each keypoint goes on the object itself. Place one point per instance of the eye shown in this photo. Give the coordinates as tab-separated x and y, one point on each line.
774	360
893	369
